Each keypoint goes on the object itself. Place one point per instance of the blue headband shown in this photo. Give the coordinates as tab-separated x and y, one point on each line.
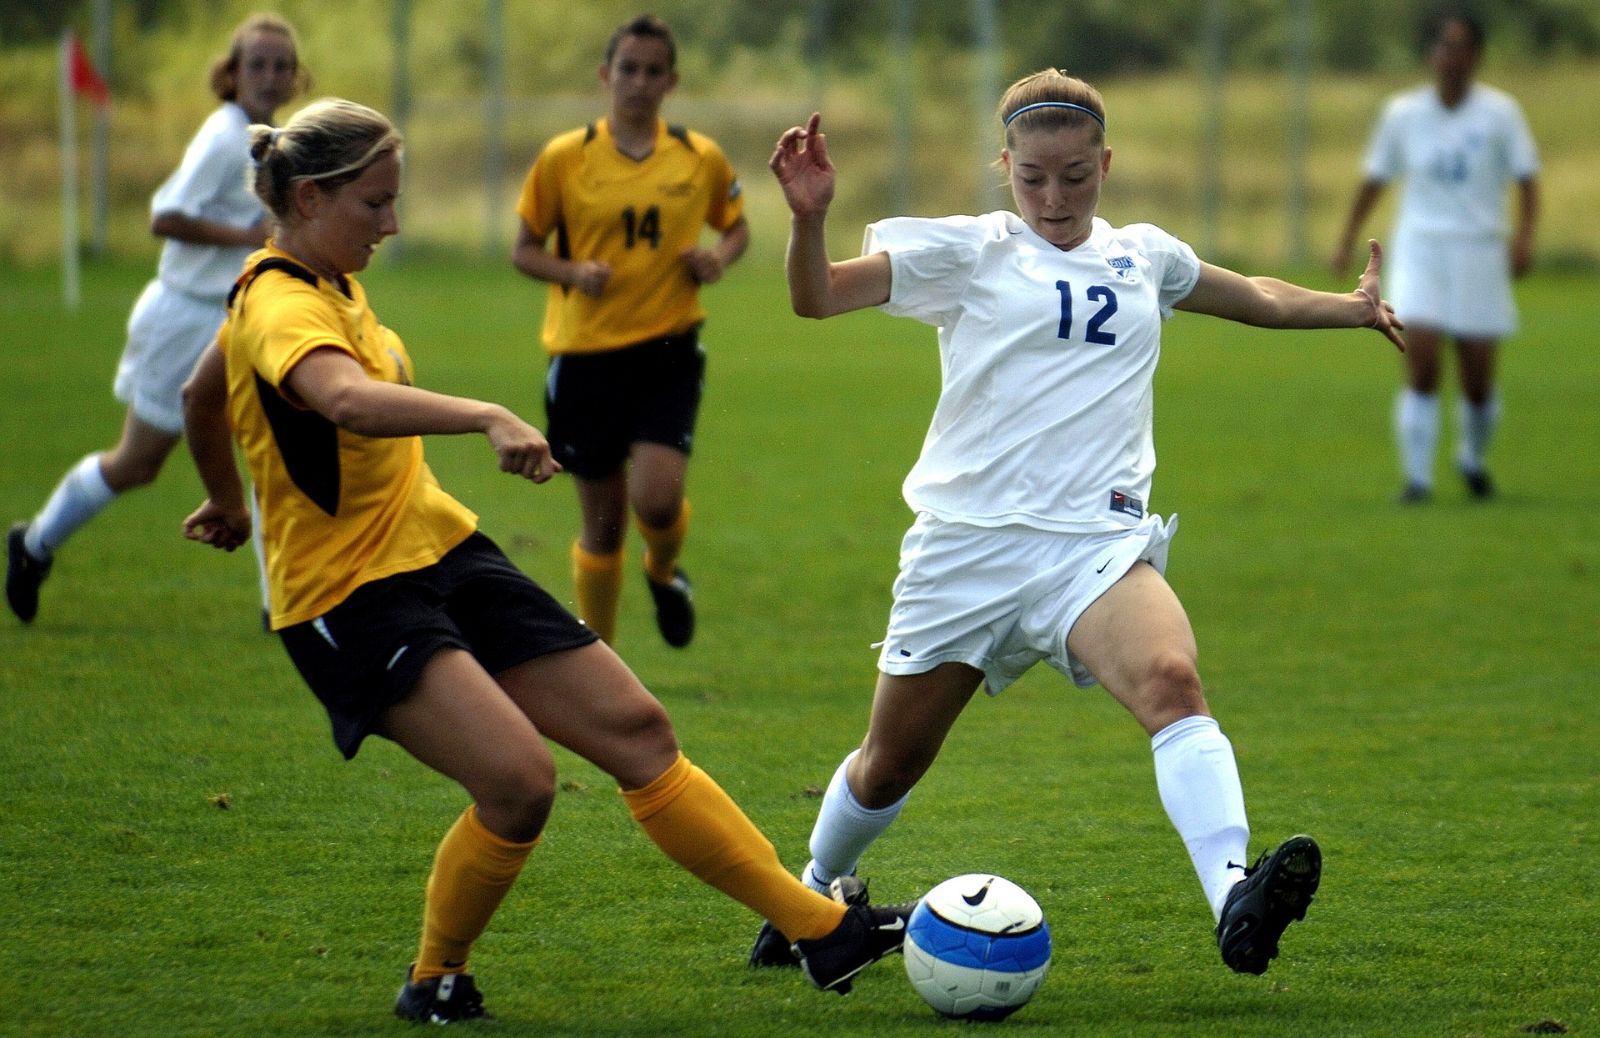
1090	112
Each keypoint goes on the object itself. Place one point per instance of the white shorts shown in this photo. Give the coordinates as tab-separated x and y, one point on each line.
1459	286
167	332
1002	599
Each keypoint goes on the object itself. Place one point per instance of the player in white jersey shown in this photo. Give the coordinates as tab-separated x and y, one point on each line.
1457	145
210	221
1032	538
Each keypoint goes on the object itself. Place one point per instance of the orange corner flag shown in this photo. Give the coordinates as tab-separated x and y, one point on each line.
85	78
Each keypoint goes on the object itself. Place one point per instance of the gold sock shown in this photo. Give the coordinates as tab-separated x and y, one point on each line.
597	581
698	826
664	545
472	871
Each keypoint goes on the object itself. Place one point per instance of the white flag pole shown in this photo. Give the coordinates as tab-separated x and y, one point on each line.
69	179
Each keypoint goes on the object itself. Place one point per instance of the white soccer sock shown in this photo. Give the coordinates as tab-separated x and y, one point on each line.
79	497
1416	434
1475	426
844	831
1199	786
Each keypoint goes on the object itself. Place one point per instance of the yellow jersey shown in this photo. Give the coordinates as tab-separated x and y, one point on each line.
637	216
338	509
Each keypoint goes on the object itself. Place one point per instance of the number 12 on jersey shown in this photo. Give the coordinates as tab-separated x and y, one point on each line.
1094	332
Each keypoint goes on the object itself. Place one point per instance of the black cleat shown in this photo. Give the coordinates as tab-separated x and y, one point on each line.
866	935
1275	892
1416	494
1479	485
674	609
24	574
772	949
440	1000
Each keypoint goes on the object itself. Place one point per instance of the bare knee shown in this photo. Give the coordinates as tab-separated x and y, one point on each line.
123	472
1168	691
640	744
651	730
515	801
879	778
659	512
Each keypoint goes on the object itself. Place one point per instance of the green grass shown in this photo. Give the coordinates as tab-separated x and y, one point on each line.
1416	687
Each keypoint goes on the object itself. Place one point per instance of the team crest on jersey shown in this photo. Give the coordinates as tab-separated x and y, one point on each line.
1123	267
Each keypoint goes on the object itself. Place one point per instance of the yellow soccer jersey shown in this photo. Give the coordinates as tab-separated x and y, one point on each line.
638	216
338	509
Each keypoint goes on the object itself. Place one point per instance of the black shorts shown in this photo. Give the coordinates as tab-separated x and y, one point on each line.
600	404
364	655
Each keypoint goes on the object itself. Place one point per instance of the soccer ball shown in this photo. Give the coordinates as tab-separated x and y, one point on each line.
977	947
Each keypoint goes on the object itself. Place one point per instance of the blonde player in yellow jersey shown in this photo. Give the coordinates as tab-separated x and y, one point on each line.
408	623
626	199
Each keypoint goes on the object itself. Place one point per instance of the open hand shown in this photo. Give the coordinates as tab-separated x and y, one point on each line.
1383	318
800	162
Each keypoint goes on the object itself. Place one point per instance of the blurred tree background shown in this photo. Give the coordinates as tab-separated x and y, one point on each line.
1094	37
1201	92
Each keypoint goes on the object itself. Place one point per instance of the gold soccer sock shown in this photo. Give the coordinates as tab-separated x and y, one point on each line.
698	826
597	580
664	546
472	871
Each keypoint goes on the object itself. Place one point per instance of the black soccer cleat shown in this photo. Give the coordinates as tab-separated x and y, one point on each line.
1275	892
674	609
24	574
866	934
773	949
1479	485
440	1000
1415	494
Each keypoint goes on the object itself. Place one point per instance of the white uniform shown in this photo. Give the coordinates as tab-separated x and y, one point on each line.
1043	427
1450	268
179	312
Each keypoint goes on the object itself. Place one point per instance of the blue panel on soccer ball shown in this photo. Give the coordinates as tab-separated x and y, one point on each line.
1018	953
1012	953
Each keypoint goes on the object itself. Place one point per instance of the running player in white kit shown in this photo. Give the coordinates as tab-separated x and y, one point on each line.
210	221
1032	539
1457	145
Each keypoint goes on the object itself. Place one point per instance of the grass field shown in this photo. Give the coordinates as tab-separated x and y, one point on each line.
186	853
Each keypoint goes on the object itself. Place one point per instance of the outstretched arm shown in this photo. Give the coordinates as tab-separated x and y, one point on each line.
332	383
817	286
1272	303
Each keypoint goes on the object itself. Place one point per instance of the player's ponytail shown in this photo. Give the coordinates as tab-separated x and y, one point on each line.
331	141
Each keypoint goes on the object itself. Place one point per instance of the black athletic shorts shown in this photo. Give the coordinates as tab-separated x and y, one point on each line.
601	404
364	655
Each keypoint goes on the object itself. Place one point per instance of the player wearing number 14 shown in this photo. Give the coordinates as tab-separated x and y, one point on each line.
1033	540
626	199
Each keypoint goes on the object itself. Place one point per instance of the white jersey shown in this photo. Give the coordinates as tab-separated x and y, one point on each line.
1456	162
1048	359
209	184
